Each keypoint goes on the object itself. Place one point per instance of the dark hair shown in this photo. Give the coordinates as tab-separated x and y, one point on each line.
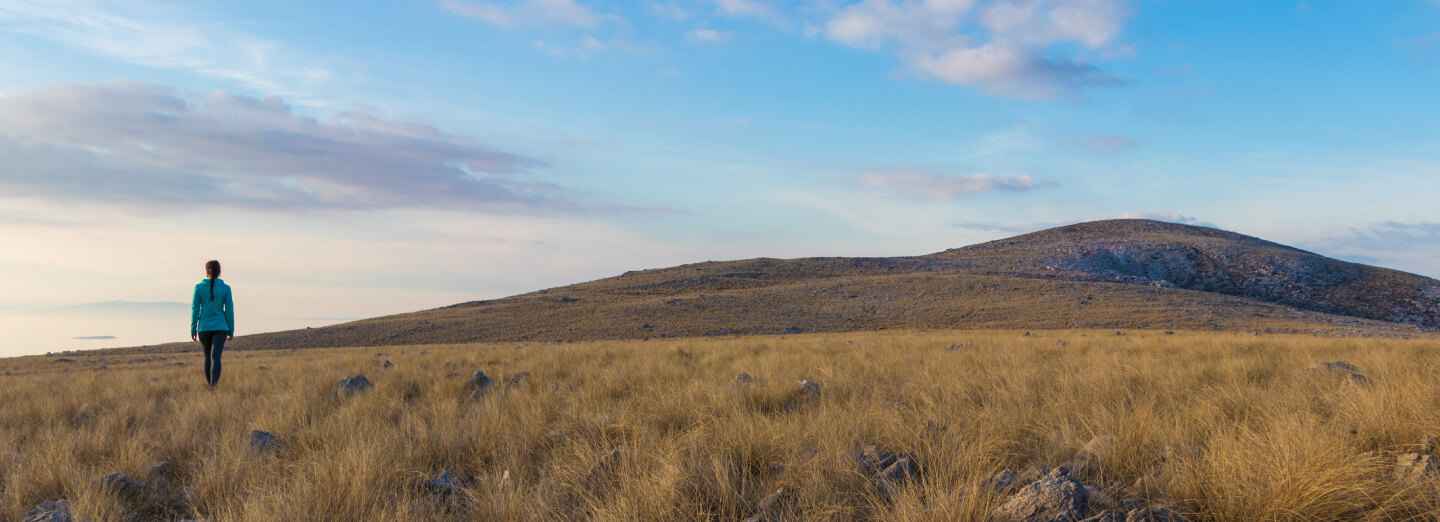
212	269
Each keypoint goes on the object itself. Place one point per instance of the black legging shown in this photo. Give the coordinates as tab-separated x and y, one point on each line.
214	342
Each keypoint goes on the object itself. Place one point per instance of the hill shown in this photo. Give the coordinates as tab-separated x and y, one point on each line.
1118	274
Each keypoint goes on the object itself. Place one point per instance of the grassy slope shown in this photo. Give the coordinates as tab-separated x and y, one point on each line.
1004	284
1224	426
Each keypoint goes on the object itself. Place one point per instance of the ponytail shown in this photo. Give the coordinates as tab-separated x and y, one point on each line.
212	269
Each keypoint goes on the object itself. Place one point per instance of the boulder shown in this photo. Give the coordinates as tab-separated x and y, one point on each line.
1337	366
960	346
889	480
1055	498
123	487
50	511
480	383
742	379
387	364
352	385
1414	468
265	442
517	380
807	387
443	486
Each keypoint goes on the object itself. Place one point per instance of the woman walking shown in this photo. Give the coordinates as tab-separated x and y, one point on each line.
212	319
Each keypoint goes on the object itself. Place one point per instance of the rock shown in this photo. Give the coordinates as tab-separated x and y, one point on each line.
517	380
1356	380
1000	481
873	460
1414	468
63	360
1089	457
1337	366
443	486
265	442
807	387
960	346
1056	498
481	383
352	385
123	487
1106	516
387	364
897	474
765	510
1061	343
933	429
50	511
742	379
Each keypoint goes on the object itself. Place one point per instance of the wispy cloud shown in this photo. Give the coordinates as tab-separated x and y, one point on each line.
1003	47
1392	236
141	33
1108	144
704	33
920	184
752	9
526	13
152	146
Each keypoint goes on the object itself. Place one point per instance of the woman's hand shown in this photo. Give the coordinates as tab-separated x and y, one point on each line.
194	337
229	338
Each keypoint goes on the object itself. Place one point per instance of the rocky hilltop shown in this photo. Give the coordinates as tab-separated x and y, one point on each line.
1168	255
1119	274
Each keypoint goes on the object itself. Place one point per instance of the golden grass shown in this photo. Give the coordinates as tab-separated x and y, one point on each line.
1222	426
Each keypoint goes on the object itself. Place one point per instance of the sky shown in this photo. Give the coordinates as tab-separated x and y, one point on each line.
354	159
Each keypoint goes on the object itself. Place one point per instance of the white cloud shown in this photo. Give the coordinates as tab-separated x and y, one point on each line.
526	13
751	9
582	49
1002	47
929	185
706	34
149	146
669	11
162	37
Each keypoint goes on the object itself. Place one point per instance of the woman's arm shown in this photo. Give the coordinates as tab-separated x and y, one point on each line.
230	311
194	313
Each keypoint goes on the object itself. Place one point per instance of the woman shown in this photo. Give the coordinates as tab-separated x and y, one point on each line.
212	319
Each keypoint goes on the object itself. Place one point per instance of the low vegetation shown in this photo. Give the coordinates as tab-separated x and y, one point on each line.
1217	426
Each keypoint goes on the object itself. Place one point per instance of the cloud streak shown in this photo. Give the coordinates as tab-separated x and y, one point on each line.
149	145
526	13
1009	48
926	185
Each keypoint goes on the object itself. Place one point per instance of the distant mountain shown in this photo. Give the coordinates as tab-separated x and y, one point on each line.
125	310
1118	274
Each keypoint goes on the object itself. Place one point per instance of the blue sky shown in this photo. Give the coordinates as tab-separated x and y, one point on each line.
353	159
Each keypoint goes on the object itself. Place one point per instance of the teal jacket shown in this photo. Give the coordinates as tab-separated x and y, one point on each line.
210	313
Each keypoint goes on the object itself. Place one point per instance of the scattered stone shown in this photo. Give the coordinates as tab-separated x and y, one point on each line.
352	385
794	330
897	474
377	354
444	486
1000	481
161	471
807	387
481	383
265	442
1027	334
387	364
1415	468
424	352
961	346
1106	516
765	511
1338	366
122	486
51	511
1061	343
262	368
1154	514
873	459
63	360
933	429
742	379
517	380
1056	498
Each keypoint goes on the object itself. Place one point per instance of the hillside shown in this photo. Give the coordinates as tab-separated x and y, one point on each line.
1118	274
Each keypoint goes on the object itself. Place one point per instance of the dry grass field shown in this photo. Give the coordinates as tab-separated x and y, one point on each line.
1218	426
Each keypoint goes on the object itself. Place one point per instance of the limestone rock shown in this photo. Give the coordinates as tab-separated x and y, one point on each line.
481	383
807	387
1337	366
1056	498
1415	468
123	487
517	380
265	442
51	511
742	379
889	480
352	385
443	486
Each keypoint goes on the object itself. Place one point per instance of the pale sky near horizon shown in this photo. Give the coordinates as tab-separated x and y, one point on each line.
355	159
